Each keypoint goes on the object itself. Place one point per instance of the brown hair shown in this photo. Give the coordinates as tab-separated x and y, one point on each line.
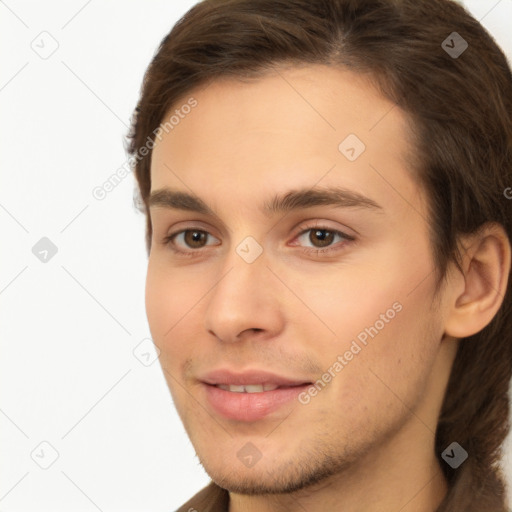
460	113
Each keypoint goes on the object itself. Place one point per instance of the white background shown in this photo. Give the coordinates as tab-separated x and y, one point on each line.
69	327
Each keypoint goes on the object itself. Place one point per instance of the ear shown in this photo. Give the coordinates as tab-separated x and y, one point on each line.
478	294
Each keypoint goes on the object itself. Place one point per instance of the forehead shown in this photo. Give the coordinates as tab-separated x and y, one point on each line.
292	127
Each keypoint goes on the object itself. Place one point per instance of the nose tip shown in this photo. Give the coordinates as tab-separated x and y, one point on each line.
241	301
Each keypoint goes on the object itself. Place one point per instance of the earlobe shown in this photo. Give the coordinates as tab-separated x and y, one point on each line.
486	266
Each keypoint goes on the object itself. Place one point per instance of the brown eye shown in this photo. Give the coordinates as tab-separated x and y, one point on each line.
321	236
189	241
195	239
320	240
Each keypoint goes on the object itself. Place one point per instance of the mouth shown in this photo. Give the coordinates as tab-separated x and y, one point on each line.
251	395
253	388
252	402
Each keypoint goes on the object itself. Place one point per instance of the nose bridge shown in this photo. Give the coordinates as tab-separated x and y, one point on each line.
241	298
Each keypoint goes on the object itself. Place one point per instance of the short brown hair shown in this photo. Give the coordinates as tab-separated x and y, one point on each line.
459	109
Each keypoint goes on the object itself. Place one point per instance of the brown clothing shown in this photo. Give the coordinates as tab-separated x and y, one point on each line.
211	498
460	498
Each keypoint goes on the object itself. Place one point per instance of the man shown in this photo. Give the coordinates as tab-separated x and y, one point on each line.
327	191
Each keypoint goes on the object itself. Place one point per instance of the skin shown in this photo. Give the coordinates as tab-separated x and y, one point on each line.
366	440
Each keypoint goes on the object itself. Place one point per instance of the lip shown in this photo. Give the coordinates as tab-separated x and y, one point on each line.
250	407
224	376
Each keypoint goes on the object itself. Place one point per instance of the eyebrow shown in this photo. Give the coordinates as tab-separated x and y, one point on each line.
337	197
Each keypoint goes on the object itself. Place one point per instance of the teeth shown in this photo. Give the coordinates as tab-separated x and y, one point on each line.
254	388
236	389
249	388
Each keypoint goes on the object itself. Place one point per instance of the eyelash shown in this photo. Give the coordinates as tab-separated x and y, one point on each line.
168	241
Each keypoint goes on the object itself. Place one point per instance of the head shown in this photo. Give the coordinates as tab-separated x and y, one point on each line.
260	110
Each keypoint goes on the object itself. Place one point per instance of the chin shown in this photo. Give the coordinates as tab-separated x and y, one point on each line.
288	477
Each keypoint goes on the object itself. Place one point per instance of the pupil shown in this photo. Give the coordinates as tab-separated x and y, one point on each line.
194	237
324	239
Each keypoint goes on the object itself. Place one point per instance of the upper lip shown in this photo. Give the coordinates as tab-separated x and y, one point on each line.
225	377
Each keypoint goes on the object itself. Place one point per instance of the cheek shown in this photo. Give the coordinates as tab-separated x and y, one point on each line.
350	301
394	362
382	312
169	300
378	293
157	301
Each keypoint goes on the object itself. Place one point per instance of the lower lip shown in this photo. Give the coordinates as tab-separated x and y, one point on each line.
250	406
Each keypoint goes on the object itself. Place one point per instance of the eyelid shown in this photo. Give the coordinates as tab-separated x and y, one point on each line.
321	224
329	250
191	225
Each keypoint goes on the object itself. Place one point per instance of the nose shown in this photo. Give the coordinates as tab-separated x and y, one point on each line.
244	302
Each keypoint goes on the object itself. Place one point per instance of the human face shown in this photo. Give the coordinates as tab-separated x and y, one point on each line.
255	291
